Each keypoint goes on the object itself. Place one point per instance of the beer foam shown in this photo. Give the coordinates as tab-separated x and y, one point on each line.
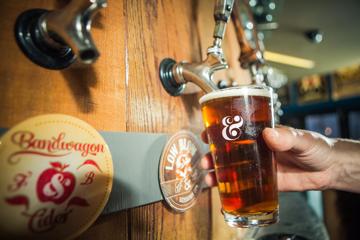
249	90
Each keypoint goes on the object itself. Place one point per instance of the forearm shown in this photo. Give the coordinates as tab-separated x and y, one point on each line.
346	170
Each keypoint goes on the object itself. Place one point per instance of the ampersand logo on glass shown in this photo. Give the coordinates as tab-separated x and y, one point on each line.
232	127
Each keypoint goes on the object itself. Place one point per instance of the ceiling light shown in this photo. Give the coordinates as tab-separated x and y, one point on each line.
272	5
315	35
269	17
252	3
289	60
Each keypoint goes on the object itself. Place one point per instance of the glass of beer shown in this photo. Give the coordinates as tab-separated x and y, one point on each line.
244	166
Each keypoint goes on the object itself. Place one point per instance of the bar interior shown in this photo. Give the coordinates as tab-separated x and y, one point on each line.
192	119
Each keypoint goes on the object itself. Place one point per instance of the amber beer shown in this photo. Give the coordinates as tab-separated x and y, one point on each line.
245	168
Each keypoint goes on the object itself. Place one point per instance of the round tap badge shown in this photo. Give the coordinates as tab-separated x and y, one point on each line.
179	172
55	178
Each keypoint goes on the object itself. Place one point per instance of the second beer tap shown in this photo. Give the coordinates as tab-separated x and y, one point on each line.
174	76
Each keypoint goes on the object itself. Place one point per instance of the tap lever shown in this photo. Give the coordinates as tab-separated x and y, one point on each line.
222	13
251	54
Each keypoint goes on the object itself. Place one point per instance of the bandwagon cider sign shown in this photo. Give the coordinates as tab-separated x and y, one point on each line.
56	176
29	144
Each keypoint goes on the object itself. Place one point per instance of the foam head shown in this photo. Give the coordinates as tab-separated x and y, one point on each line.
248	90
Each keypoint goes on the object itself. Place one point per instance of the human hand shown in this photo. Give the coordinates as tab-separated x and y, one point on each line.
304	159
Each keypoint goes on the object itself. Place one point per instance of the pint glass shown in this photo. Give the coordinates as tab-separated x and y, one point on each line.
244	166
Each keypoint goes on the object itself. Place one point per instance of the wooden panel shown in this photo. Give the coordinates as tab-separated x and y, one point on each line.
95	94
155	30
121	92
110	227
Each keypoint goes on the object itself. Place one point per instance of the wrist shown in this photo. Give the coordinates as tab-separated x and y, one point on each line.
345	170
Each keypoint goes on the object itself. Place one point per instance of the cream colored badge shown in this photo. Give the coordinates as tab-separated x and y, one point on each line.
55	178
179	172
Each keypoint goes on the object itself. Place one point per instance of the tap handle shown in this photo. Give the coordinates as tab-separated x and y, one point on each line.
222	10
222	13
250	54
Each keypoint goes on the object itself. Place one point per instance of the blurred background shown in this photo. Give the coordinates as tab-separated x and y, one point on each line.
314	46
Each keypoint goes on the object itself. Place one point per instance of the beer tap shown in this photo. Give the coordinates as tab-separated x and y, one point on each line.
174	76
55	39
251	56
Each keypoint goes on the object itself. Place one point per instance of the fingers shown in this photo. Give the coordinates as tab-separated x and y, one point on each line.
210	179
279	139
207	162
204	137
283	138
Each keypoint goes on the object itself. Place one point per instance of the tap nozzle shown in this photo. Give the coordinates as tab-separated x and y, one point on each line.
174	76
71	26
55	39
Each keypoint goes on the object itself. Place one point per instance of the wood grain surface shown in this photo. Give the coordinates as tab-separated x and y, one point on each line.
120	92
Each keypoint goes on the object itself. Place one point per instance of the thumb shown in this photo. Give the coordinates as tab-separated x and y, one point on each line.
283	138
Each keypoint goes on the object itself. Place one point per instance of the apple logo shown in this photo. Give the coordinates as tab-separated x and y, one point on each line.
54	184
